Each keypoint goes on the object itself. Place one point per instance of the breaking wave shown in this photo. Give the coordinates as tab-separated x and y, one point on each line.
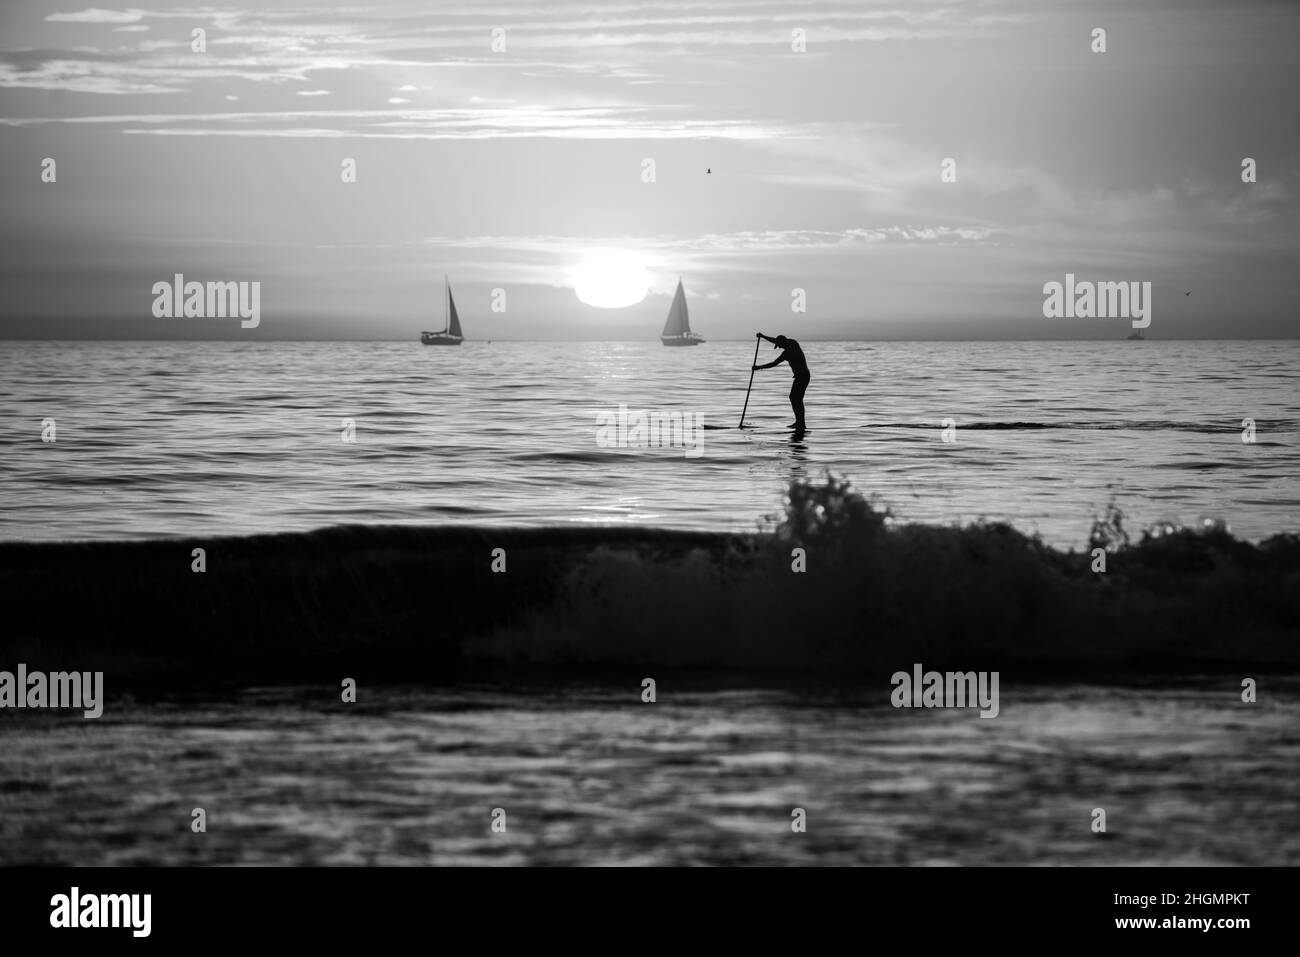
425	604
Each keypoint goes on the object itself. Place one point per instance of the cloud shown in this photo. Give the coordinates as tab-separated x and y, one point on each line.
785	240
97	15
630	43
465	124
739	242
541	258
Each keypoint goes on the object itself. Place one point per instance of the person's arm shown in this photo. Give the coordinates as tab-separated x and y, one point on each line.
783	357
768	338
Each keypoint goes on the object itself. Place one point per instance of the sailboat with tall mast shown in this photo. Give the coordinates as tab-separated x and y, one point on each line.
450	334
677	330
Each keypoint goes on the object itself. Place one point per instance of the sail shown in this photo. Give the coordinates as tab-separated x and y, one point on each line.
679	323
453	320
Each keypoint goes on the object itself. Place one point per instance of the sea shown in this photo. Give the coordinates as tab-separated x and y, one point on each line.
142	440
113	441
710	774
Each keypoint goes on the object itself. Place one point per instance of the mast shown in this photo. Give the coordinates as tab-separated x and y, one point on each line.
686	315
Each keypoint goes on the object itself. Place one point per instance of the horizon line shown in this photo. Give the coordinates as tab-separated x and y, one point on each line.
256	339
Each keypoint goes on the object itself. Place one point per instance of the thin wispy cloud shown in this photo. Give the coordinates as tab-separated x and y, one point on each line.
97	15
484	122
265	45
737	242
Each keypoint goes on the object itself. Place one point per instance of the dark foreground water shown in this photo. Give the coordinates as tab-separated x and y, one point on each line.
588	774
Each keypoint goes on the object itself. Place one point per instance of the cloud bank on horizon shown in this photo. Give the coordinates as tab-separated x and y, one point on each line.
913	168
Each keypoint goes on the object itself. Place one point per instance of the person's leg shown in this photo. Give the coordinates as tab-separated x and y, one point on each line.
796	400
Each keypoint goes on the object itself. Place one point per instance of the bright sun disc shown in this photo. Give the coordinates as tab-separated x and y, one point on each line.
611	279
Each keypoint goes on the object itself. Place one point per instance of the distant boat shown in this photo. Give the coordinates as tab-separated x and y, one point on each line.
677	330
1136	335
451	335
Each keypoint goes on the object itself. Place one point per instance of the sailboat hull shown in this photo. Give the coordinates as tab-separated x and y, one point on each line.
687	340
440	339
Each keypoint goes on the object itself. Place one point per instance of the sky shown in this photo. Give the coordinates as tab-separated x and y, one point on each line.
505	144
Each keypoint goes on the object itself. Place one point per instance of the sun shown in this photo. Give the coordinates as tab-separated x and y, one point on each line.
611	279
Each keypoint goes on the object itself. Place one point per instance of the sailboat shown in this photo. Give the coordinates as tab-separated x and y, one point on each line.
451	335
677	330
1136	335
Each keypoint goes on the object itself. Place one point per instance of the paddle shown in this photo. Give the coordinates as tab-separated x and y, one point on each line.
757	340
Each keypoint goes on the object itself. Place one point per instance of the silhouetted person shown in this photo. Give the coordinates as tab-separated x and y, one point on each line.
798	367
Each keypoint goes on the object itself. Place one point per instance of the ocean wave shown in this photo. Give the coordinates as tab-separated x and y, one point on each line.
425	604
1204	428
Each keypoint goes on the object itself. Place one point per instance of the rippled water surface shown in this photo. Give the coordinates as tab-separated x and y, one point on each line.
212	438
588	774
